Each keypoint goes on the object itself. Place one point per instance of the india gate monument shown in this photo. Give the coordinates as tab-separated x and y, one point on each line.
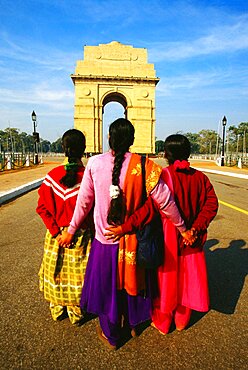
115	73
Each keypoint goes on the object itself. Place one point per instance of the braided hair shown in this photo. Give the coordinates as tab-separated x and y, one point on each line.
73	142
177	147
121	137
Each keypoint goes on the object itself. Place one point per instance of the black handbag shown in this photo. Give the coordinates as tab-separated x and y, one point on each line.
150	248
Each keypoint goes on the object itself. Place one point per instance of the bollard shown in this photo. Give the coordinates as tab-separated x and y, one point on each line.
218	161
41	159
9	166
239	163
27	161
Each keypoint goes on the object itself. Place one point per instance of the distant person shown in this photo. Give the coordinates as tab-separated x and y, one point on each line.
62	270
115	285
182	279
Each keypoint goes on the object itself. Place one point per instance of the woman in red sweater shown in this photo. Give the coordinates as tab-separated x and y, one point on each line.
182	279
183	282
62	270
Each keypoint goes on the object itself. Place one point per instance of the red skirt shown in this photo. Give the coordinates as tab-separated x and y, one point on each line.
182	279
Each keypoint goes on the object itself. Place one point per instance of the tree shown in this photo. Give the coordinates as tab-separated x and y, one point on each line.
45	146
203	142
56	146
237	138
159	146
194	141
243	128
207	141
13	141
27	142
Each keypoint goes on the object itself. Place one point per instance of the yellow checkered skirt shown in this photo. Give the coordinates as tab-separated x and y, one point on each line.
62	271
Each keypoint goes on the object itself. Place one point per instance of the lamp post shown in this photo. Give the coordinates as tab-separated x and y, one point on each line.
36	137
224	121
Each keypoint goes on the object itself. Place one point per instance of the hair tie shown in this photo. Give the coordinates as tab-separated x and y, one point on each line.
114	191
70	166
181	165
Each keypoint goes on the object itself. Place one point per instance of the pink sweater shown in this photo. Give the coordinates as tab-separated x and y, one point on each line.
94	191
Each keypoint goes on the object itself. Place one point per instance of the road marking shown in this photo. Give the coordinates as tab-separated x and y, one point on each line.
233	207
232	174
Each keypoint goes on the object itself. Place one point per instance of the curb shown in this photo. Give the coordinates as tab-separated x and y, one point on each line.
14	193
232	174
20	190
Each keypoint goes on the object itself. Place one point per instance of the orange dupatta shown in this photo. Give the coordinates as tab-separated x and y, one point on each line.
130	276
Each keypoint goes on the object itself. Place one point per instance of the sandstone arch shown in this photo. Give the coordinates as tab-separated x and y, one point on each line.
115	72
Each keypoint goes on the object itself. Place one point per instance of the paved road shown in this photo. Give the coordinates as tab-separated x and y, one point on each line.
216	340
231	190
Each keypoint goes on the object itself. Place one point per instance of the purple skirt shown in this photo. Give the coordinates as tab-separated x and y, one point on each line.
100	294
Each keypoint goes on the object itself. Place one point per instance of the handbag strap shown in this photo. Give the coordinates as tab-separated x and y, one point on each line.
143	173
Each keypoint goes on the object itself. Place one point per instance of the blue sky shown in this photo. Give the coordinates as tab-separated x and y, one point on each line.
199	48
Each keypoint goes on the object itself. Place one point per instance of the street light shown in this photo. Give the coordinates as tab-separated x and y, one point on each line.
224	121
36	137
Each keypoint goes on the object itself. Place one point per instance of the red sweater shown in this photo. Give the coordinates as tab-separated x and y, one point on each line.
57	202
194	196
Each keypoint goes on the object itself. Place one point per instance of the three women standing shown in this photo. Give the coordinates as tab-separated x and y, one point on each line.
114	285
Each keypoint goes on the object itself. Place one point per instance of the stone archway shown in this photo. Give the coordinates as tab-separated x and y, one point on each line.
115	72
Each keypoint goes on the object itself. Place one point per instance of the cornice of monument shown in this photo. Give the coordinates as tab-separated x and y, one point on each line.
113	78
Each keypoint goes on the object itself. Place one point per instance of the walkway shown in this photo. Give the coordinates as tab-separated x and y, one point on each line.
17	182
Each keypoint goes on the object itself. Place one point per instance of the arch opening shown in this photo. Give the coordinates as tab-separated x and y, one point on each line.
115	97
112	111
114	106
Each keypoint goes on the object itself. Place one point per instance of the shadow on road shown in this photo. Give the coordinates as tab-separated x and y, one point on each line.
227	269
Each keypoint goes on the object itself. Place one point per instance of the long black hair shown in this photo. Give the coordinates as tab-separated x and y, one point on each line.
73	143
177	146
121	137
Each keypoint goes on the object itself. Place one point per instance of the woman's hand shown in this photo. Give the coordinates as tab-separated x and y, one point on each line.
114	233
65	239
189	236
58	237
